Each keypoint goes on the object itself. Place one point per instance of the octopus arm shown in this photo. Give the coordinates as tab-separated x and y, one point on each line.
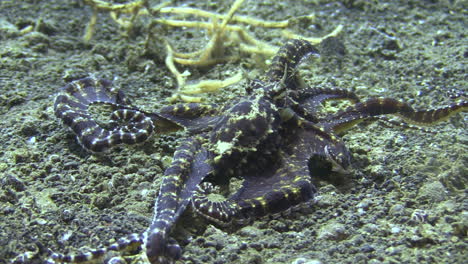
187	170
310	99
196	118
200	168
384	106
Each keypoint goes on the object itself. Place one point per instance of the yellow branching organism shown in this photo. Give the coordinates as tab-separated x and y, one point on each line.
222	29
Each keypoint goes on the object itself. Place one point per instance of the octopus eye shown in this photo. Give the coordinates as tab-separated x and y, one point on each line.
339	161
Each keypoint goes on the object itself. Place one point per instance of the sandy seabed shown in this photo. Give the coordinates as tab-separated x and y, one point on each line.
404	203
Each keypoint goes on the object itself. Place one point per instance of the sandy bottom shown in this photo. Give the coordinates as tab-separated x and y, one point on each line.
405	201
